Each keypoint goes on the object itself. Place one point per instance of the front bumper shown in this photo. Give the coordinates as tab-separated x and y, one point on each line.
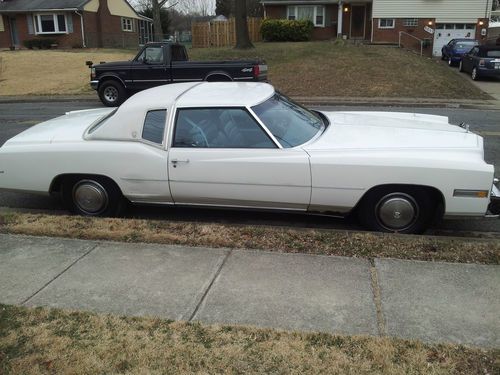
94	84
494	206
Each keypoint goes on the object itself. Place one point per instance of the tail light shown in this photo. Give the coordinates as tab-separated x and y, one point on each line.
481	62
256	71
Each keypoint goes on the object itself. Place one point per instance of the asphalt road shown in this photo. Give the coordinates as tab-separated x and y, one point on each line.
16	117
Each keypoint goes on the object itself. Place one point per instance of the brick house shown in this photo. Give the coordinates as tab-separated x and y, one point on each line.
381	21
73	23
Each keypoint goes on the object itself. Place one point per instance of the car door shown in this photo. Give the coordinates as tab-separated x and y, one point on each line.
467	60
447	48
222	156
149	68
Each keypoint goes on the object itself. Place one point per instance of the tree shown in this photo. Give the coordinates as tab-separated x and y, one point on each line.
223	7
157	8
165	18
240	15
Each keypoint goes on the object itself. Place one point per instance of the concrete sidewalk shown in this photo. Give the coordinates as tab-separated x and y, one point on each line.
434	302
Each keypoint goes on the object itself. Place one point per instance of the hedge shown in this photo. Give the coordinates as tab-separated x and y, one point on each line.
286	30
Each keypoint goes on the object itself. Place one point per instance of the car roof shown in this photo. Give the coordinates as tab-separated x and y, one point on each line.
126	123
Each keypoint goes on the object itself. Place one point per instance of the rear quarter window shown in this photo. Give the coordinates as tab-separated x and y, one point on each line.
154	126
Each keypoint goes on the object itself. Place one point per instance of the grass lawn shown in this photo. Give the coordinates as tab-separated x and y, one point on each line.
298	69
287	240
50	341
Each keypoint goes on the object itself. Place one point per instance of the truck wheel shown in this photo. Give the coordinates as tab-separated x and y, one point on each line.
112	93
396	210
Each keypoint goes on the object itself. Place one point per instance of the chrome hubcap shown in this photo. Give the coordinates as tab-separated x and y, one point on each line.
474	74
110	93
397	212
90	197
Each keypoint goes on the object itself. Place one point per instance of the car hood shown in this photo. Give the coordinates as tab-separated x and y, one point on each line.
67	128
113	64
391	130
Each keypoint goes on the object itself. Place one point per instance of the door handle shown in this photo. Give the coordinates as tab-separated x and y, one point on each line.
177	161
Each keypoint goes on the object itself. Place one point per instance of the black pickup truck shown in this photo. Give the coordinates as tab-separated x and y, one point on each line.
163	63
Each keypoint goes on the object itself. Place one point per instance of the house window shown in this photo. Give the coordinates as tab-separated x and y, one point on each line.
50	24
410	22
127	24
386	23
313	13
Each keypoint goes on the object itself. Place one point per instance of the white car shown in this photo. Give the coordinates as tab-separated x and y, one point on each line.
245	145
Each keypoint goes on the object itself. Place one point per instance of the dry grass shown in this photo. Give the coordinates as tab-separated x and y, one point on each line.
336	69
310	241
51	72
297	69
43	341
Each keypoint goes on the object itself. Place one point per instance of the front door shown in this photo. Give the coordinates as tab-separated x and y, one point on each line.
222	157
149	69
357	22
14	36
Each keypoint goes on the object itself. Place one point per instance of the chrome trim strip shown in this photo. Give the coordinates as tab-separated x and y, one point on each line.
241	78
151	80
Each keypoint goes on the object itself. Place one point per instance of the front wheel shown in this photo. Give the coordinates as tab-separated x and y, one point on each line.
112	93
92	196
396	210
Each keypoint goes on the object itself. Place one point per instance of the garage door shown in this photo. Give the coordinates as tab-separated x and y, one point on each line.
445	32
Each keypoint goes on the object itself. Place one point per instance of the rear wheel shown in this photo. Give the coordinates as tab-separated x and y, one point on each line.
397	210
450	62
460	66
112	93
92	196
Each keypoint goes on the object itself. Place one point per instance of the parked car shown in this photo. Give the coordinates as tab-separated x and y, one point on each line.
245	145
481	61
456	48
162	63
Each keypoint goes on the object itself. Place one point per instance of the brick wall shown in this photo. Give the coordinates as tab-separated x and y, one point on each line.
5	35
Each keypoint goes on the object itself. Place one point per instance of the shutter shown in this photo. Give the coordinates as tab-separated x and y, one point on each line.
69	21
29	21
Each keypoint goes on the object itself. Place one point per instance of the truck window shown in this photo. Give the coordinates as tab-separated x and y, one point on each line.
151	55
179	53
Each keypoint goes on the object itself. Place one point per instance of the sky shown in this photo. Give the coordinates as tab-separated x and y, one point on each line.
187	5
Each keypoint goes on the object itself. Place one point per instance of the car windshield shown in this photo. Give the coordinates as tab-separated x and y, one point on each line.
465	44
290	123
493	53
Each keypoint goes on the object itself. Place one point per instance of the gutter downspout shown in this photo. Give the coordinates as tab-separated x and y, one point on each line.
83	32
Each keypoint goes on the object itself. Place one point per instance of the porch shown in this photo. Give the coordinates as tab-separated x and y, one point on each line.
348	19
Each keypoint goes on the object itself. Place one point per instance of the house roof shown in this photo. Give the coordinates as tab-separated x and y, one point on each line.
31	5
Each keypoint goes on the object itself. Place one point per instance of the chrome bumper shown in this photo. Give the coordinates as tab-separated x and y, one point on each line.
494	206
94	84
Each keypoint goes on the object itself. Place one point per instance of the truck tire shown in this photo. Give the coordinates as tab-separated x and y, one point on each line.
112	93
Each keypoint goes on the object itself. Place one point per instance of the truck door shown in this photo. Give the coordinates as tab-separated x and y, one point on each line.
149	68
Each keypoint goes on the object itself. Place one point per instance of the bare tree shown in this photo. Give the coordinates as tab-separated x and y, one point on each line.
196	7
156	6
240	15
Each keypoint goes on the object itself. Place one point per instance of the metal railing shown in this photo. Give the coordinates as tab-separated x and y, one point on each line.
414	37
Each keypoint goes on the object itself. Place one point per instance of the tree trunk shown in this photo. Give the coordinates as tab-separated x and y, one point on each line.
158	37
242	37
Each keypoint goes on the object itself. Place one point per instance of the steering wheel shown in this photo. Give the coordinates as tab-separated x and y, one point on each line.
199	131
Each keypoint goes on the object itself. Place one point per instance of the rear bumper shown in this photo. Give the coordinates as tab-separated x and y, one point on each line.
485	72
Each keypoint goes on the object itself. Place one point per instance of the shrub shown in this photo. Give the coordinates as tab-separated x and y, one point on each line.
286	30
40	43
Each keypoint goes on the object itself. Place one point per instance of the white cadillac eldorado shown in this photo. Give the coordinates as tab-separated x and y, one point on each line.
245	145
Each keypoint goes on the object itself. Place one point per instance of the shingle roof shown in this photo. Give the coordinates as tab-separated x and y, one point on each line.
30	5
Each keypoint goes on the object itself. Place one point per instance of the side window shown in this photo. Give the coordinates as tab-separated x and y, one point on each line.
474	51
151	55
154	126
219	128
178	53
